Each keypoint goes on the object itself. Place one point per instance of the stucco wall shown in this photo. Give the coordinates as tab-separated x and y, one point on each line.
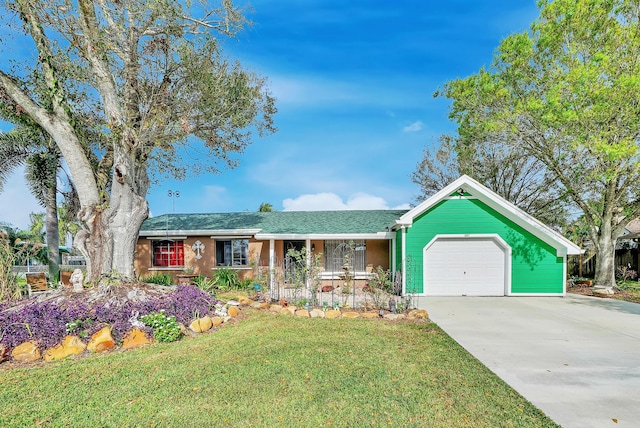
377	255
203	266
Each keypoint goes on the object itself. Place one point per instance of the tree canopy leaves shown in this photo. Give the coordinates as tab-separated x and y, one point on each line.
519	178
567	92
126	89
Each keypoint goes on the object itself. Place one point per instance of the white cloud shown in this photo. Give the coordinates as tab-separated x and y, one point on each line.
16	201
414	127
327	201
405	206
364	201
315	202
308	90
216	198
215	192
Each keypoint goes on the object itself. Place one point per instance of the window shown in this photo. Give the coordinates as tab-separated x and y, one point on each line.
232	253
339	253
168	253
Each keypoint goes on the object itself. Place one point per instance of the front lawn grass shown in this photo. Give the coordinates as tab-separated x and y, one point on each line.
269	370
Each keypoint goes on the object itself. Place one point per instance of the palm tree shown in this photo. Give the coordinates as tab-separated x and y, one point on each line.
24	245
67	214
27	145
265	207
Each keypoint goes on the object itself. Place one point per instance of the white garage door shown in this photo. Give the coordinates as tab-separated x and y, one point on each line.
464	267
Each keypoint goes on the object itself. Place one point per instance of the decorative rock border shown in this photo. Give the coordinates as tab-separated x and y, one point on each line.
103	341
415	314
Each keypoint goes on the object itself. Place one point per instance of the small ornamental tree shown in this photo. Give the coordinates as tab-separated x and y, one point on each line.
379	286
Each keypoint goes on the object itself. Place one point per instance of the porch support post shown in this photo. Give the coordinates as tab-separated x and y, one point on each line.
404	260
308	261
272	268
564	276
394	259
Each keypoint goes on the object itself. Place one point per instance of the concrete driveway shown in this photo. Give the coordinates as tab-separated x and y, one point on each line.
576	358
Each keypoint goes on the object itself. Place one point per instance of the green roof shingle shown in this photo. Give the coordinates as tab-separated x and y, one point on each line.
279	222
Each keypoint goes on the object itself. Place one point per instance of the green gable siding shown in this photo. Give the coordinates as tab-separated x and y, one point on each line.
535	268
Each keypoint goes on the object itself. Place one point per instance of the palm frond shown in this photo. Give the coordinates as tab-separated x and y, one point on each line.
16	146
41	174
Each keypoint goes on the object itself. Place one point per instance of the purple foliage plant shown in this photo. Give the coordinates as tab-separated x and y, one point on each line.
48	322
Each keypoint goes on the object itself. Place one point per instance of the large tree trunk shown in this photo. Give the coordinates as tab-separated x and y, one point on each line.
109	236
605	258
53	238
128	210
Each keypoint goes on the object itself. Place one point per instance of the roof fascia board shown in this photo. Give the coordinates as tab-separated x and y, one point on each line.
409	216
493	200
221	232
535	227
264	236
323	236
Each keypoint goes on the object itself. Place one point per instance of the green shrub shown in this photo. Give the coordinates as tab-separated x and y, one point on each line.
379	285
158	278
226	279
165	328
206	284
79	327
246	284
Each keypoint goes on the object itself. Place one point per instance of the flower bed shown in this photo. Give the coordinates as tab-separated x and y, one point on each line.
60	327
49	322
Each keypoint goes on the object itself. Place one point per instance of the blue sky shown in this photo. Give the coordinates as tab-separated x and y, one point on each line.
354	82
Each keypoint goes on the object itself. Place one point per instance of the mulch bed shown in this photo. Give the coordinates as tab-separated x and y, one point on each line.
627	296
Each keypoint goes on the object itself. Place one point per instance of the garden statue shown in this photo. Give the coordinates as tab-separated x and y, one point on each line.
392	305
134	321
77	278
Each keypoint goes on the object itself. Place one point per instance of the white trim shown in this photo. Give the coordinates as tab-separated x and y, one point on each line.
500	205
200	232
394	259
564	276
404	260
481	236
272	262
164	237
509	295
254	233
535	295
459	197
327	275
307	246
173	268
323	236
229	237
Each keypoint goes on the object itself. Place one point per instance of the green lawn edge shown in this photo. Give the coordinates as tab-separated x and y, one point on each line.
273	370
